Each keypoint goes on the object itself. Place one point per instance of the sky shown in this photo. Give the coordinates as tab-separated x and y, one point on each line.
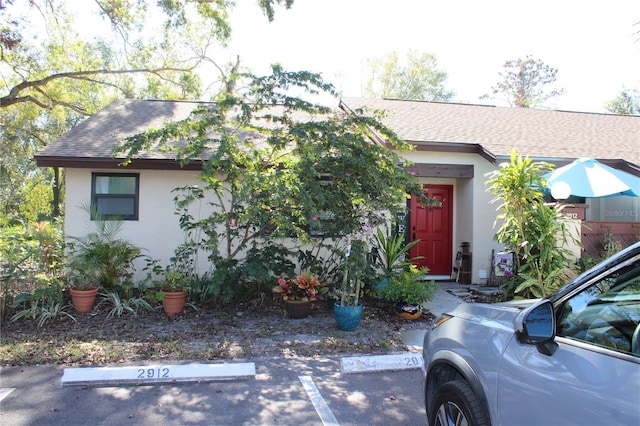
594	44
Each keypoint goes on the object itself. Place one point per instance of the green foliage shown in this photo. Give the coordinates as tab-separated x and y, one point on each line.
516	185
205	289
355	268
269	181
101	256
585	263
28	256
323	260
537	283
37	202
529	227
274	164
611	245
409	286
119	306
175	281
627	102
417	79
45	303
262	265
393	252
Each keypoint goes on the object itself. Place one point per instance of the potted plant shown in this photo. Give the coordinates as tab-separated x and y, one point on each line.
298	294
348	309
83	291
102	254
408	290
173	291
392	256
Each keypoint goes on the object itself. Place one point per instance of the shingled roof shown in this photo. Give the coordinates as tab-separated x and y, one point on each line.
557	136
91	143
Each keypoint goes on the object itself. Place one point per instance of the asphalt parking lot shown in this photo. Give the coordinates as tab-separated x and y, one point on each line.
284	391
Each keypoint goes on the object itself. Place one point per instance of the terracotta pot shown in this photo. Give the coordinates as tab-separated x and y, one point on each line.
173	302
83	300
297	309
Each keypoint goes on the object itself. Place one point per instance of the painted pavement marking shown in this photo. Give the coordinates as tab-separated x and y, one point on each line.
360	364
4	392
323	410
160	374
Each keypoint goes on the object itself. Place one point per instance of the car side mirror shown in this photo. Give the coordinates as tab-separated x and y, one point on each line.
536	325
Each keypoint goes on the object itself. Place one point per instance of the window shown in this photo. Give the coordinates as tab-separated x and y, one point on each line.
114	196
606	314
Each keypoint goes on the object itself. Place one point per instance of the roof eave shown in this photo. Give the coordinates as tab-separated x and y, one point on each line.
114	163
458	147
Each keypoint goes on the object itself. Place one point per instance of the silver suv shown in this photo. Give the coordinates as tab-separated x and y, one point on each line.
573	358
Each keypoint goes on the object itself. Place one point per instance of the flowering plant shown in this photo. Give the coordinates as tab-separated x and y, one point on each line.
304	287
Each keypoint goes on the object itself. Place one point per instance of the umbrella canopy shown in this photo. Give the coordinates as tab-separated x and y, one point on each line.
587	177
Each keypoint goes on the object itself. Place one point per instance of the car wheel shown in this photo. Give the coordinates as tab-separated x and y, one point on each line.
456	404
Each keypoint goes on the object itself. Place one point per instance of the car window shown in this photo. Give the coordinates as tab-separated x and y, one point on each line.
607	313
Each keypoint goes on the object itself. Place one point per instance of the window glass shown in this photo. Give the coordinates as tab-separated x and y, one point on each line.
115	196
115	206
115	184
607	313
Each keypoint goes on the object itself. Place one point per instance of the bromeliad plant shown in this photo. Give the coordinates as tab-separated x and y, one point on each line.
304	287
393	253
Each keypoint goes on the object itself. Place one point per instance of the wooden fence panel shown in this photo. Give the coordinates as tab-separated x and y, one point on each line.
594	236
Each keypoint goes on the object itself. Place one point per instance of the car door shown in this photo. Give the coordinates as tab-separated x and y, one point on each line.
594	375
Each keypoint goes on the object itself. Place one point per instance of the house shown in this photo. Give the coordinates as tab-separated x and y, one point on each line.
456	146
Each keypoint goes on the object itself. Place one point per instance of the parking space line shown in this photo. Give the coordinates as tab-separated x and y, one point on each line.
323	410
4	392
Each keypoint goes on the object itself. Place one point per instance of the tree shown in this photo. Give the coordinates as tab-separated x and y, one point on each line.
418	78
526	83
627	102
54	74
278	166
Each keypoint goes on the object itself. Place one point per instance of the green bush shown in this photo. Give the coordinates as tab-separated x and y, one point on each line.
409	287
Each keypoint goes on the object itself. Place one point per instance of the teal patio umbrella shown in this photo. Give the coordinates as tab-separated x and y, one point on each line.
587	177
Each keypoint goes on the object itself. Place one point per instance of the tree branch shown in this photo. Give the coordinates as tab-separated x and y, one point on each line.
14	95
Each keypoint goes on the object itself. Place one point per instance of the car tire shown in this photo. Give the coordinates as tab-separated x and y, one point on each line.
455	403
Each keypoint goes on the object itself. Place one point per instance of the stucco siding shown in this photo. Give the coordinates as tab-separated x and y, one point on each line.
156	231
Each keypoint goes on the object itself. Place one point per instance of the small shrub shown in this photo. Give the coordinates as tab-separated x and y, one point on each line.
45	303
409	287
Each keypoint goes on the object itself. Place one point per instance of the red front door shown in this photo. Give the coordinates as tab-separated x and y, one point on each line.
433	227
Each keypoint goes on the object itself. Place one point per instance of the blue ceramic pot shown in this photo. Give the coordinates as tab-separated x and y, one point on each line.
347	317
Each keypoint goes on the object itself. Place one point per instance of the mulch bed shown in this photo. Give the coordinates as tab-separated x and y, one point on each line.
249	330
